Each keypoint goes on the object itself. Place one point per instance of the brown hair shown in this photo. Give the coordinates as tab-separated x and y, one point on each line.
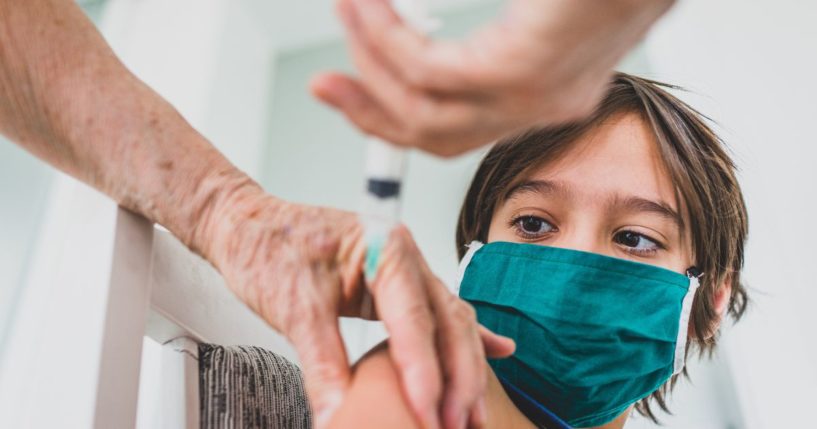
698	164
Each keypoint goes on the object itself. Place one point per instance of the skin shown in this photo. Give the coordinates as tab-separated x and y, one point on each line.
589	205
542	62
66	98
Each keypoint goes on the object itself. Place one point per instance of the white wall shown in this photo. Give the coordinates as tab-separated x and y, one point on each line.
24	185
754	65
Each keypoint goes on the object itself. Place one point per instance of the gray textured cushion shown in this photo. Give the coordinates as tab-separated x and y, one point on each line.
249	387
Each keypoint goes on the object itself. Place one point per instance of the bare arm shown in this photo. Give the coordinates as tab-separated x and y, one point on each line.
374	399
66	98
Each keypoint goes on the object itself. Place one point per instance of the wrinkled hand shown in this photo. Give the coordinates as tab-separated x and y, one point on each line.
300	268
546	61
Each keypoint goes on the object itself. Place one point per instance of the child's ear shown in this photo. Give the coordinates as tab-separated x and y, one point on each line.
721	303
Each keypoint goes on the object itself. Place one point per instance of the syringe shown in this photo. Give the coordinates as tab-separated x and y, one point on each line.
386	164
385	168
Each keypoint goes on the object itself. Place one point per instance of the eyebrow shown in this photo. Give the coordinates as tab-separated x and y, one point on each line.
631	203
643	205
544	187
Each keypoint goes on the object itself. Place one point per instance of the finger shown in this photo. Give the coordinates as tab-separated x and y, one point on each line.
355	299
479	415
496	346
379	79
325	367
440	124
402	301
419	61
463	355
312	327
402	102
357	104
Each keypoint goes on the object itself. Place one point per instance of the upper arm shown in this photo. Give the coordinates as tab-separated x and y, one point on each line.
374	398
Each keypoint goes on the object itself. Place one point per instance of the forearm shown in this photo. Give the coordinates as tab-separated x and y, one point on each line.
573	21
66	98
568	49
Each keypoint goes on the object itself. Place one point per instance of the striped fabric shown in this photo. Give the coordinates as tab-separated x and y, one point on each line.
249	387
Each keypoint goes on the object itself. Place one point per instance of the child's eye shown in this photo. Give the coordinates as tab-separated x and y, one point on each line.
532	226
637	243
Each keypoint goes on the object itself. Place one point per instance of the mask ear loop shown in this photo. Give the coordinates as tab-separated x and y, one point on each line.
682	342
695	272
472	248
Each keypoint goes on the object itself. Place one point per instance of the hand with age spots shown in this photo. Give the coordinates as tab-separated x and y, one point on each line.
545	61
66	98
300	268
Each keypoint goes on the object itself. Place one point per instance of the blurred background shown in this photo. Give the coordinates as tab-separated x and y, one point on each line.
238	71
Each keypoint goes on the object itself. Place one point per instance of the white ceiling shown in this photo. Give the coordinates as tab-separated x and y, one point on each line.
298	23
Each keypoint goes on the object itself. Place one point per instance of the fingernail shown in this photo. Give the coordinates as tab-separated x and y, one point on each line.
481	412
347	11
461	420
511	343
506	342
330	402
349	94
330	96
432	420
375	10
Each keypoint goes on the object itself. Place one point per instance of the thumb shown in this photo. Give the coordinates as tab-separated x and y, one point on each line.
338	90
496	346
325	367
352	98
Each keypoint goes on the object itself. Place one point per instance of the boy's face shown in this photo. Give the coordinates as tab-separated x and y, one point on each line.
609	193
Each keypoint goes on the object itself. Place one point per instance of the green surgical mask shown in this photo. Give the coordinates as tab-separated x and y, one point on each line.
594	334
